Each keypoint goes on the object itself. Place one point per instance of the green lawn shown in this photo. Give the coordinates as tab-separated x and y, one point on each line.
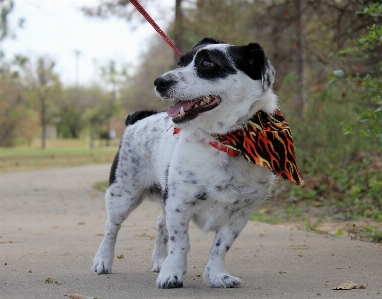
60	153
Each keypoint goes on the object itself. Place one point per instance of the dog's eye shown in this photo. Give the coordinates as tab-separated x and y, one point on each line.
207	64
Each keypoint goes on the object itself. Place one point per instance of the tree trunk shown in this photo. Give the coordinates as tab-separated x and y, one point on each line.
43	123
178	29
301	96
92	134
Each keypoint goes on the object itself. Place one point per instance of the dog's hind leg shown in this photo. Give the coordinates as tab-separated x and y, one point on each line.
119	205
160	250
216	272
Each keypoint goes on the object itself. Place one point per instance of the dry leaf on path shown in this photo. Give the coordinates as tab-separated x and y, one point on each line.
78	296
346	285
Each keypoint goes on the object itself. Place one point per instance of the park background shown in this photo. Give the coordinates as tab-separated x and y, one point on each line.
327	56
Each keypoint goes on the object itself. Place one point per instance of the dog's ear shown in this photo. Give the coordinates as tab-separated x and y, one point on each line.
258	61
252	61
208	41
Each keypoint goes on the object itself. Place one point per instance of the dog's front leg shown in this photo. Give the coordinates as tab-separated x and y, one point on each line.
216	272
175	265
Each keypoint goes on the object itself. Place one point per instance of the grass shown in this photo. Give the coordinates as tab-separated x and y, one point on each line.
101	186
59	153
310	212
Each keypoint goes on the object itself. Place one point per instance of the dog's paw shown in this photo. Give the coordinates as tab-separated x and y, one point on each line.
171	275
102	266
223	281
168	281
157	265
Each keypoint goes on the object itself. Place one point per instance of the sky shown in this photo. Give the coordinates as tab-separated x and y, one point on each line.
58	28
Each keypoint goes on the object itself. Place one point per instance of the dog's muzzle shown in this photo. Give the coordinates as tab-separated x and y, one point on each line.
162	85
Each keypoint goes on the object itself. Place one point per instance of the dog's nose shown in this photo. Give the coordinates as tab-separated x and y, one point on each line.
162	84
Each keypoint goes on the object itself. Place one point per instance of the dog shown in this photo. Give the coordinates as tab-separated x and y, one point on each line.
216	89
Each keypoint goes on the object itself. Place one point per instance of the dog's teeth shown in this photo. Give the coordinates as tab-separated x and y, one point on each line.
196	106
202	103
207	100
182	113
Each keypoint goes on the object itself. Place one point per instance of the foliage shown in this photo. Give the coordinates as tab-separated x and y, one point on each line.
17	120
369	86
5	8
41	86
369	232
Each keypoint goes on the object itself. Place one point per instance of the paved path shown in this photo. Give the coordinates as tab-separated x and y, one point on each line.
52	223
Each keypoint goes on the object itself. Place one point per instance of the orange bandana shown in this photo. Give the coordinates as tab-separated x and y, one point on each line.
265	140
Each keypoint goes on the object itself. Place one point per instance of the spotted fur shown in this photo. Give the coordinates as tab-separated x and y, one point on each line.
191	179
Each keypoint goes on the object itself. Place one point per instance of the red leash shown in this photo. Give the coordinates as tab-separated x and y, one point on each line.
144	13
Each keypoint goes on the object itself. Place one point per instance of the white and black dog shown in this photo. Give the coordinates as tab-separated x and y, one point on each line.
216	89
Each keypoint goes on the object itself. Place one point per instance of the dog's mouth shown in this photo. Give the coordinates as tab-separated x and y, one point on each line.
183	111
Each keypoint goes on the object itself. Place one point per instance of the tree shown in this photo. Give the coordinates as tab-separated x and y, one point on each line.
369	84
96	114
5	8
43	87
112	78
71	107
17	120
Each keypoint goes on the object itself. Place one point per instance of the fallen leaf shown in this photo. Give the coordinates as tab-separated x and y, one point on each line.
49	280
362	286
78	296
120	256
346	285
299	247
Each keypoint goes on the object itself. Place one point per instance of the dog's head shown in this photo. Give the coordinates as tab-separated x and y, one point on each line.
217	86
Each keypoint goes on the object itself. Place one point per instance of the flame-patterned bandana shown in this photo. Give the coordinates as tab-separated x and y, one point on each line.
266	140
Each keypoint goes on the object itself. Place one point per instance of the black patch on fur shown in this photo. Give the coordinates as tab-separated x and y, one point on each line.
165	195
156	189
113	176
251	60
220	67
208	41
165	192
186	58
201	196
138	115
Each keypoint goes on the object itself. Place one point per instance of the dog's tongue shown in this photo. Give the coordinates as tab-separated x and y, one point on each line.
175	109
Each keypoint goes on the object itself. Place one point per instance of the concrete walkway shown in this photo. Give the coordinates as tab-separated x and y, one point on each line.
52	223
